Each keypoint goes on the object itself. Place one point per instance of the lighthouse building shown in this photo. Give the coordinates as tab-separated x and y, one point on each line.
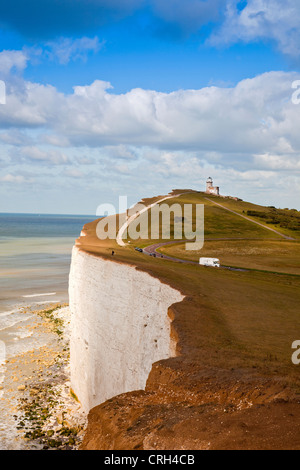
211	189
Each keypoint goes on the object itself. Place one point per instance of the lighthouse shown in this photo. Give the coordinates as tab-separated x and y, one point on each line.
211	189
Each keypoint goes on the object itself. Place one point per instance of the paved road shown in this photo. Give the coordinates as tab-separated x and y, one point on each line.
152	250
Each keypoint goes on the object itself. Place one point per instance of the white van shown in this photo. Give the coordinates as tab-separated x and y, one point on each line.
212	262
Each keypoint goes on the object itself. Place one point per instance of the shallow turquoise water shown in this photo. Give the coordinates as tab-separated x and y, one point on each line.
35	254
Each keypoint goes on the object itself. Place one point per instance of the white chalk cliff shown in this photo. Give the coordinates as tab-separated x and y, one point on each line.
120	327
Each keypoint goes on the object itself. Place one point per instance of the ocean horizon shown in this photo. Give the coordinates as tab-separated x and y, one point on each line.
35	257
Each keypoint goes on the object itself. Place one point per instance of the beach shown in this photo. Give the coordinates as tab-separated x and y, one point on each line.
37	408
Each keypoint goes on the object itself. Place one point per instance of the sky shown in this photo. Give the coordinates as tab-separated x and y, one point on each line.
110	98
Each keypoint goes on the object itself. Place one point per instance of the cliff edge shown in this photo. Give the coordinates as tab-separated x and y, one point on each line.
120	327
177	356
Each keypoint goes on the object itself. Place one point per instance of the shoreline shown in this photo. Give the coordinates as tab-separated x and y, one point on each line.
37	407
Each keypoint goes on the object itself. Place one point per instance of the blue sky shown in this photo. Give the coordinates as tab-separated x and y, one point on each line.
137	97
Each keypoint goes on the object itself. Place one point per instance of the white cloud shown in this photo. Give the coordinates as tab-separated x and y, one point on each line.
246	136
35	154
12	60
255	117
14	179
277	162
262	19
15	137
66	49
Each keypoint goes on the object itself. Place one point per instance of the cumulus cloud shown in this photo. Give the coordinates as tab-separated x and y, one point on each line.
29	105
277	162
254	117
261	19
249	132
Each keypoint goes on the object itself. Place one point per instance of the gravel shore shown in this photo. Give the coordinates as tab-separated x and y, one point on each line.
38	409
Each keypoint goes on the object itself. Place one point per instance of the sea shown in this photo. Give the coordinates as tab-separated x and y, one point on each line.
35	256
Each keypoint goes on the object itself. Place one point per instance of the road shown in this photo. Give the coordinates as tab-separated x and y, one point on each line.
152	249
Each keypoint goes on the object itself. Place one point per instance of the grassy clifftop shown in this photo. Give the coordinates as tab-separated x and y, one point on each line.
234	333
253	312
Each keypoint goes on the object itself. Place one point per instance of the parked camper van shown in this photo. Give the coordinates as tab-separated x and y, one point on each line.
212	262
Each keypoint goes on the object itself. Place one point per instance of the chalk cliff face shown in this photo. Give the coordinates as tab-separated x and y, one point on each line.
120	327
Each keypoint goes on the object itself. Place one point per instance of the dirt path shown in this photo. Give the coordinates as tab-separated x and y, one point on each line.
250	220
125	226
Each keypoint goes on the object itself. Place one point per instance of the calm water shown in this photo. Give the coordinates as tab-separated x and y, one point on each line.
35	253
41	226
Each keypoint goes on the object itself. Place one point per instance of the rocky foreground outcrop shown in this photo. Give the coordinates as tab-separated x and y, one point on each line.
198	409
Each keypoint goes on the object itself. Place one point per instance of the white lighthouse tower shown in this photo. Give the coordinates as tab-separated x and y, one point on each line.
211	189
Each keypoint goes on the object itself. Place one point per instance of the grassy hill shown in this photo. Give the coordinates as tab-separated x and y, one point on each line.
285	221
234	332
239	242
220	223
253	312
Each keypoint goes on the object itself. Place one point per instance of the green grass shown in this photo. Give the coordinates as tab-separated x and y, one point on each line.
229	319
267	255
285	217
219	223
